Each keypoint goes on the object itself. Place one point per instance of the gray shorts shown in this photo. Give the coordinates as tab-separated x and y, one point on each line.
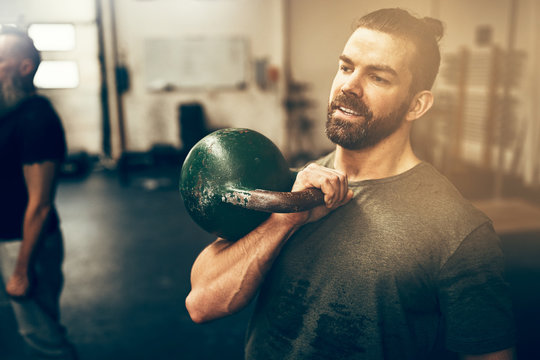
38	315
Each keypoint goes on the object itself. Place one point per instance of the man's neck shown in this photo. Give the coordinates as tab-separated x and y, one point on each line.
390	157
5	109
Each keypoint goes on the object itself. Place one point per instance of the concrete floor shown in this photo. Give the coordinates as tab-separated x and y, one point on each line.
129	250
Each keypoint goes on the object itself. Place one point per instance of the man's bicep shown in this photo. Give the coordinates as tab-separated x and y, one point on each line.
474	296
40	181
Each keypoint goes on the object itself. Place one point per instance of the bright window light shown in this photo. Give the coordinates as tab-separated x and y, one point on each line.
53	37
57	75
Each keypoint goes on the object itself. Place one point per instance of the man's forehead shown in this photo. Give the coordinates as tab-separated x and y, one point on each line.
8	44
374	35
372	45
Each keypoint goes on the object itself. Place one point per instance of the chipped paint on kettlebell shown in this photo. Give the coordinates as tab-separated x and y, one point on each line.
225	161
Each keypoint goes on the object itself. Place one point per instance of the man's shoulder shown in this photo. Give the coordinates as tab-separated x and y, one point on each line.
37	112
35	104
326	160
437	198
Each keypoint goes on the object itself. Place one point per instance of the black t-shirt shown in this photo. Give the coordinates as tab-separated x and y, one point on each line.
408	269
30	133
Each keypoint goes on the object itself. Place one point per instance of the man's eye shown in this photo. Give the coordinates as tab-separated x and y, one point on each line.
379	79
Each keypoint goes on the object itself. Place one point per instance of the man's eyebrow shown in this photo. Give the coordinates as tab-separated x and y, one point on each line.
344	58
374	67
383	68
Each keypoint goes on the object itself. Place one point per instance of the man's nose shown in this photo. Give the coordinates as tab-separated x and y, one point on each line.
353	86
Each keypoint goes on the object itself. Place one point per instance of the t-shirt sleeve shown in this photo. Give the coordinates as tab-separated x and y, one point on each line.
475	297
42	133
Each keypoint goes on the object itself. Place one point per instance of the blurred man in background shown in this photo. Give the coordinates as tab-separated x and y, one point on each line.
32	147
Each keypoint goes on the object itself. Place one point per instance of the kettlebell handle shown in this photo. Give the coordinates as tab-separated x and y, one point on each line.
275	201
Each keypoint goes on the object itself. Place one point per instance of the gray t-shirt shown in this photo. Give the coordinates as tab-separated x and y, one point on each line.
405	270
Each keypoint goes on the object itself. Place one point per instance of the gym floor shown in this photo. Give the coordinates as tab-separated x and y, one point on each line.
129	250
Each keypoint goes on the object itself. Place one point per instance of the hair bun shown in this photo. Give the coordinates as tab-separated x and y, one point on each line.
435	26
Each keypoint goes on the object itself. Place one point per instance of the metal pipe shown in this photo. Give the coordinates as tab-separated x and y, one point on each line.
120	103
104	93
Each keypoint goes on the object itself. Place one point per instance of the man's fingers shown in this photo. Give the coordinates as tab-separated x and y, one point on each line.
17	293
348	197
18	287
332	183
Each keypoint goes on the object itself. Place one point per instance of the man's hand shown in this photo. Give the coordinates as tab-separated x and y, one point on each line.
332	183
18	286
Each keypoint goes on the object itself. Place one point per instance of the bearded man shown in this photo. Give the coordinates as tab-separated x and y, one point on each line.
32	147
396	265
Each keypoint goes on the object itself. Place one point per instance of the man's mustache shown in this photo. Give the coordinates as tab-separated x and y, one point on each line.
351	103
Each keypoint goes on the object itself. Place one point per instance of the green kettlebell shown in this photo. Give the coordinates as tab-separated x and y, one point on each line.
232	180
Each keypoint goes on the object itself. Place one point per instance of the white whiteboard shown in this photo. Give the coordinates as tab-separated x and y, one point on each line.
195	63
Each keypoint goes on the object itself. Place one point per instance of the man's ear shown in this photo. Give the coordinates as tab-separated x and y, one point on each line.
26	67
420	104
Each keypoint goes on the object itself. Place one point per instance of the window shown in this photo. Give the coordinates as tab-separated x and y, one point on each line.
54	72
57	75
53	37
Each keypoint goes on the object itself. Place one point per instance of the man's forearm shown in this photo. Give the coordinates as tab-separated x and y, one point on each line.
226	275
34	222
40	183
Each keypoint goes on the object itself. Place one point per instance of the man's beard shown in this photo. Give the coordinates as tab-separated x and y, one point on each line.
11	93
357	135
